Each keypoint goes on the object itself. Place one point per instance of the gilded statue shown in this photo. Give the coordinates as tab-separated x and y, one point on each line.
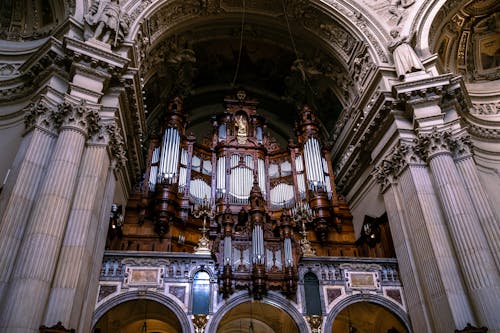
241	125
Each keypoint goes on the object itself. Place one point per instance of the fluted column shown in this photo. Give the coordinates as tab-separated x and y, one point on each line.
65	296
468	173
410	277
96	246
478	267
36	263
28	170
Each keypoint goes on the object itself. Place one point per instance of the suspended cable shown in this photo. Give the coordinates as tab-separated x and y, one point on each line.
241	45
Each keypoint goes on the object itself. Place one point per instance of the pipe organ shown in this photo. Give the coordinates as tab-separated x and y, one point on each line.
254	189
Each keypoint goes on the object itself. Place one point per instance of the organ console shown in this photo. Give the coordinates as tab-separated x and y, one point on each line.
264	200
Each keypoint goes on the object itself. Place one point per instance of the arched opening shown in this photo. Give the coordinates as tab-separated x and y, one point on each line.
138	316
363	317
201	293
256	317
311	290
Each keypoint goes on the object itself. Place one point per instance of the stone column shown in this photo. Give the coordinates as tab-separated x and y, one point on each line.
435	259
478	267
37	258
91	281
468	173
28	170
66	296
416	304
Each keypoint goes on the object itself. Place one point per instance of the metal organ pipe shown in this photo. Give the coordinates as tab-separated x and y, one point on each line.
170	154
314	165
288	252
258	244
153	173
227	250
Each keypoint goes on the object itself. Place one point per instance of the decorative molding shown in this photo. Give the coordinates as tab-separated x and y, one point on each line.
315	322
199	322
485	108
116	145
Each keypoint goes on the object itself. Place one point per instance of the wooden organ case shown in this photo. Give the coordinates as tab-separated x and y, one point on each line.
265	206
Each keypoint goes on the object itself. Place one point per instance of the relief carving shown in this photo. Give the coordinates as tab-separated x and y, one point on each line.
117	145
108	21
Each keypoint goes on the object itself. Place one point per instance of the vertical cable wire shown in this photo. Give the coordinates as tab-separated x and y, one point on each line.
241	45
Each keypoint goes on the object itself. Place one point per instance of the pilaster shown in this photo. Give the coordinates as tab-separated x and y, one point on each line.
39	250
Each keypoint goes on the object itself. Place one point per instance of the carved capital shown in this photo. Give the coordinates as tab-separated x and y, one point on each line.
77	116
434	143
395	162
116	145
100	136
38	114
462	146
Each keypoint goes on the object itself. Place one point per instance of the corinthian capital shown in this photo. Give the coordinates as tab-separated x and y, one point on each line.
434	143
461	146
396	161
77	116
38	114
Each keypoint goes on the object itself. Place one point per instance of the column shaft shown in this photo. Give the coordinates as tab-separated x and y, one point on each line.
416	305
445	292
36	262
31	165
82	225
478	267
96	247
481	203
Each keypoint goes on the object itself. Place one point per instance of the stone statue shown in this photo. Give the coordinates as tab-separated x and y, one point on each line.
109	21
405	58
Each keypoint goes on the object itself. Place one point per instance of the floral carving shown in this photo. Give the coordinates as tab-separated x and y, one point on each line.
37	114
116	144
431	144
462	146
76	115
392	165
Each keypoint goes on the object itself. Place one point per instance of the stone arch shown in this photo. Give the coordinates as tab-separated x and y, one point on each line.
375	299
151	296
273	299
344	16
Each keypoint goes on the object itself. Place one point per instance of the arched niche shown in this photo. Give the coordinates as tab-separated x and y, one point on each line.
273	314
128	311
363	311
